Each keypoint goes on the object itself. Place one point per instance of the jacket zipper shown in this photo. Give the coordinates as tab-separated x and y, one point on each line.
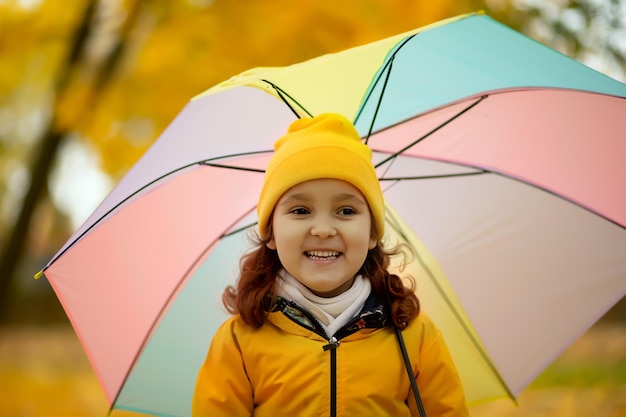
332	345
375	312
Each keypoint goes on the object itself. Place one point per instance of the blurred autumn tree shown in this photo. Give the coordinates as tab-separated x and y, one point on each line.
111	74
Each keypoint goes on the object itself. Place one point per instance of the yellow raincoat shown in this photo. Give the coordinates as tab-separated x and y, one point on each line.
285	368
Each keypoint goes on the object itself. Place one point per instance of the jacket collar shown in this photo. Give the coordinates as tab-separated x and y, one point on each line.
373	315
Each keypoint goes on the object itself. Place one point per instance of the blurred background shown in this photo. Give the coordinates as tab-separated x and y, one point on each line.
86	86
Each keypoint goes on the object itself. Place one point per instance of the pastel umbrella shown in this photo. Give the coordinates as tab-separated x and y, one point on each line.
502	166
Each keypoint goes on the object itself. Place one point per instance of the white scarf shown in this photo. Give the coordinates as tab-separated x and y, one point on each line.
332	312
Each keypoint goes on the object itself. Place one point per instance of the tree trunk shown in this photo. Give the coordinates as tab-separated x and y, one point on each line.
43	164
40	169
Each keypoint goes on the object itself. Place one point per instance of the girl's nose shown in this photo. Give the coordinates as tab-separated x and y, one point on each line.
323	228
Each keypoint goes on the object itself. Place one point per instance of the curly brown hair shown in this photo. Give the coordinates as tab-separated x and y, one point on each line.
255	292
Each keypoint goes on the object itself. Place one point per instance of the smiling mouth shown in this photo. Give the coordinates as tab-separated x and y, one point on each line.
322	255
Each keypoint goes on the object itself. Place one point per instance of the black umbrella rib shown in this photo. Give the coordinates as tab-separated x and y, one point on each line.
431	177
116	206
416	141
386	69
557	195
380	99
231	167
207	162
483	171
112	209
282	94
238	230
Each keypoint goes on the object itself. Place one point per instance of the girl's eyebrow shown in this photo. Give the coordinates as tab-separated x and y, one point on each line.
293	198
303	197
351	198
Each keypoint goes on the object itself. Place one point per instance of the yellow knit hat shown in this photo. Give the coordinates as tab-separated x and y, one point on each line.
326	146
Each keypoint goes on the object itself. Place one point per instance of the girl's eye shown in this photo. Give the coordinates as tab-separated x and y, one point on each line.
299	210
347	211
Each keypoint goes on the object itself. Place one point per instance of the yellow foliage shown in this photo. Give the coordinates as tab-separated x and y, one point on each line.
70	105
32	42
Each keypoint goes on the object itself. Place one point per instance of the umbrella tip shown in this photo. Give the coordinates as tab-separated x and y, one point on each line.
39	274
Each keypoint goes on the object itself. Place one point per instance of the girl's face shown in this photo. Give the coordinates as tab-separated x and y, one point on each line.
322	232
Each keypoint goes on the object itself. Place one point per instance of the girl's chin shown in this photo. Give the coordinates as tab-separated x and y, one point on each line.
328	292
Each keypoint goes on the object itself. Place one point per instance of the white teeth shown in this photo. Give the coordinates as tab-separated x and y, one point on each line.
322	254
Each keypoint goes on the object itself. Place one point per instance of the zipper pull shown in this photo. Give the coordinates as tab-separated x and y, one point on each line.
333	343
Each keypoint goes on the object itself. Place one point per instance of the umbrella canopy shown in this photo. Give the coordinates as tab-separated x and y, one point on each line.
501	164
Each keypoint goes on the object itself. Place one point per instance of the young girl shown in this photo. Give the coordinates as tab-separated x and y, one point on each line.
320	328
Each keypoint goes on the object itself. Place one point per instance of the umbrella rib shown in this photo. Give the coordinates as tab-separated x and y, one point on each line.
393	223
112	209
239	229
232	155
386	68
282	94
231	167
416	141
380	98
557	195
430	177
116	206
483	171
